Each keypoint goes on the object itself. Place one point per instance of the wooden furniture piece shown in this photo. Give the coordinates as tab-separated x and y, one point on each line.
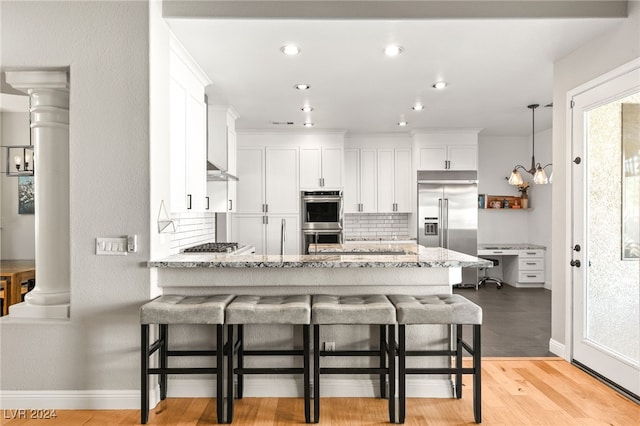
445	309
177	309
271	310
522	264
15	272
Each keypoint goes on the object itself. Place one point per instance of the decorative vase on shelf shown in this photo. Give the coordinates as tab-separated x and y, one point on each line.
524	202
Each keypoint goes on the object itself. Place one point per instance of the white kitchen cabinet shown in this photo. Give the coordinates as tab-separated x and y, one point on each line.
394	180
448	157
360	187
264	232
221	151
187	134
268	191
321	167
268	180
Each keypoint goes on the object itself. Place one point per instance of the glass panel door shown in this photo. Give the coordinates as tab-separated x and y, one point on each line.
606	207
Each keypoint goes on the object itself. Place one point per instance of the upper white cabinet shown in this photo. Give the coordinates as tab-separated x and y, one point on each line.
394	180
453	150
221	151
449	158
268	180
187	133
321	167
360	187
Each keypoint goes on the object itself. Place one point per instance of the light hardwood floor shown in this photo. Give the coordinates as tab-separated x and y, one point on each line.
516	391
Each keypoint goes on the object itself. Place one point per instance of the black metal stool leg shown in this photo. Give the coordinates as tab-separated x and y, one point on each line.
144	374
459	361
219	373
391	351
402	353
240	360
164	359
307	373
383	360
230	355
316	373
477	383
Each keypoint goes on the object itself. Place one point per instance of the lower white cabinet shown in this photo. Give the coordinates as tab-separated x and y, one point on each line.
264	232
525	270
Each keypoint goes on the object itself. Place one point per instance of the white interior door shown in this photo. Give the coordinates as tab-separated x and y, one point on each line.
606	205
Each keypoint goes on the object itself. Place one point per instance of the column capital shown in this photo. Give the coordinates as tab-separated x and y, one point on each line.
25	80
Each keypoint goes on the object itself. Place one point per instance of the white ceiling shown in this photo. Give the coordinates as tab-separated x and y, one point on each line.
494	67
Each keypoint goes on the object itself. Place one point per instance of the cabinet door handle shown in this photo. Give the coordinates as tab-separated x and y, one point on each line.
531	276
188	201
207	198
230	205
531	263
266	208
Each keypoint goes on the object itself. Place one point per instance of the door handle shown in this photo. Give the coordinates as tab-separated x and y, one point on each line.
188	201
440	223
577	247
230	205
575	263
207	198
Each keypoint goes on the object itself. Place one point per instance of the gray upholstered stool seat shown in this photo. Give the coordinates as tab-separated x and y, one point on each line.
270	310
327	310
247	310
445	309
178	309
436	309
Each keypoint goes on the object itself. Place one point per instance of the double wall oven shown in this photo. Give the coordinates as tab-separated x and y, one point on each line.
321	218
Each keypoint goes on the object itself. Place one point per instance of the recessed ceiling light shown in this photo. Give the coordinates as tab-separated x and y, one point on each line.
402	123
308	124
418	107
440	85
393	50
290	49
307	108
302	86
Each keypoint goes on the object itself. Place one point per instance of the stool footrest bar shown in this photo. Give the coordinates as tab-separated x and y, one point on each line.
183	370
191	353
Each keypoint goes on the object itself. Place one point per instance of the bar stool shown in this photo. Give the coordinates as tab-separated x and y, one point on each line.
446	309
177	309
355	310
245	310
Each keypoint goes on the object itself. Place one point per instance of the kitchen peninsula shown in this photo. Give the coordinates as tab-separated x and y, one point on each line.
331	268
342	269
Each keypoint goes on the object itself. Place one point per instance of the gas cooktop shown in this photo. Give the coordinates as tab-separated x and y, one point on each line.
213	248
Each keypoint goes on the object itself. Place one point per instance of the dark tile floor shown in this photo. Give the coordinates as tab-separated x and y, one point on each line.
516	321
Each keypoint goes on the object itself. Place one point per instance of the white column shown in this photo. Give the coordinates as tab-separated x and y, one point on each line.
49	93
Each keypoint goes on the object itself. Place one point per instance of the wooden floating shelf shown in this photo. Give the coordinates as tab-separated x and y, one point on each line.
485	202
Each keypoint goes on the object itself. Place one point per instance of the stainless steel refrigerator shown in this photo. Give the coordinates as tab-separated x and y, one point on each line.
448	214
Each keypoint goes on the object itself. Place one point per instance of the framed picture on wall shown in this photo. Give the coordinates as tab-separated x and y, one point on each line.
26	204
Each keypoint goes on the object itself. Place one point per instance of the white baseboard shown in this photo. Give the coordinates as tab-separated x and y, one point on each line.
194	388
557	348
292	388
71	400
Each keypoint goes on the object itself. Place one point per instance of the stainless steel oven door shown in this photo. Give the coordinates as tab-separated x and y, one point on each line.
312	237
321	210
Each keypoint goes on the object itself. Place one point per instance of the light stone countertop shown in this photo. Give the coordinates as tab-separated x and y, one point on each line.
510	246
414	256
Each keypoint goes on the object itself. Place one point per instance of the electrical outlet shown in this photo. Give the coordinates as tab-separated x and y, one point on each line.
111	246
330	346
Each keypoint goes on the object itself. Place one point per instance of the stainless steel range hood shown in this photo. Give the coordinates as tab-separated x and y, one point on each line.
216	173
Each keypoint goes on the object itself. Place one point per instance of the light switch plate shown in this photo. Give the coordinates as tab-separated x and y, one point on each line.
111	246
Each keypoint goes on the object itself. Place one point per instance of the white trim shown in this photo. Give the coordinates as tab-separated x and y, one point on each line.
71	400
591	84
187	59
558	348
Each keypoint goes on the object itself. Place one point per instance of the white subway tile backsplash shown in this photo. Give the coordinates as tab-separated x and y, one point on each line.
193	228
376	225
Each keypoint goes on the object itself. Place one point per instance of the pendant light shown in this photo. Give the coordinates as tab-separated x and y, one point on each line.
536	170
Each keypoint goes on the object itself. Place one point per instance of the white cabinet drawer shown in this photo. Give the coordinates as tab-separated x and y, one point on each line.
531	264
531	277
531	253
